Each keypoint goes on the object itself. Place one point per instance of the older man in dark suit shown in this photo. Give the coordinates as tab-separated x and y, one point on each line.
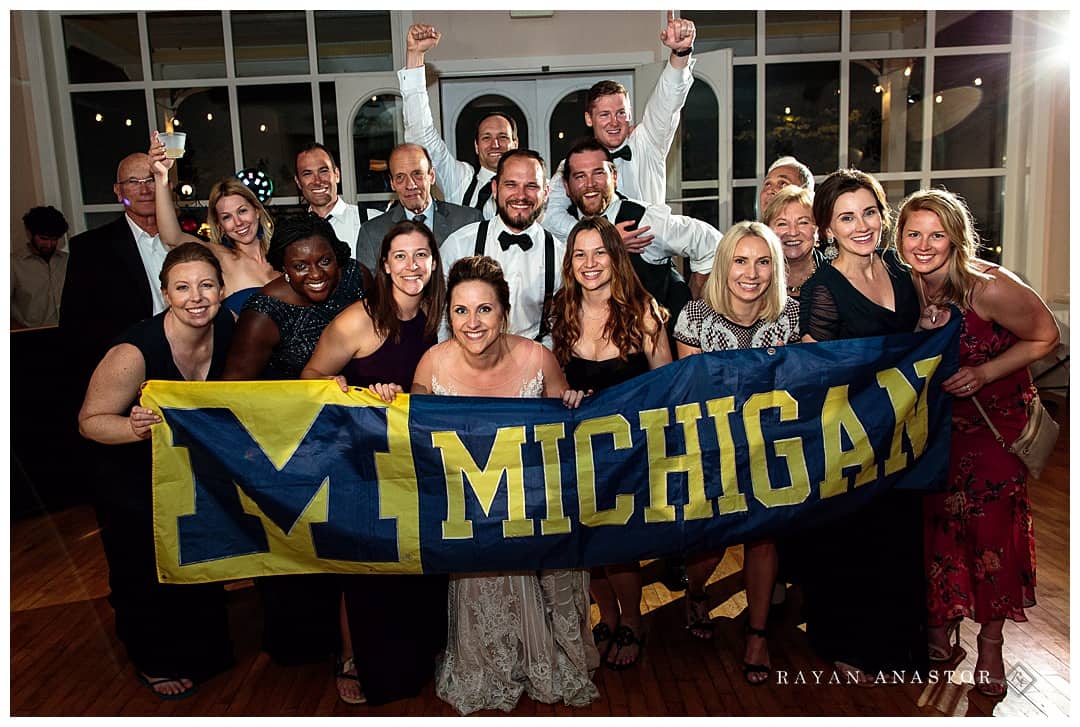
112	275
411	177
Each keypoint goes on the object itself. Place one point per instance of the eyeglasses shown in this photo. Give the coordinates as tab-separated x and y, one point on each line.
135	182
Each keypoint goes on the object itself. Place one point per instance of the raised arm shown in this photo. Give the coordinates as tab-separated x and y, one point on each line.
168	226
451	175
662	112
107	415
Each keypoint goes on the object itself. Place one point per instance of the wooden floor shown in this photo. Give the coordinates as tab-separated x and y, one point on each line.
66	660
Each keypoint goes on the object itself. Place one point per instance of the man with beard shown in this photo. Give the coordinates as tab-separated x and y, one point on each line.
590	179
496	133
411	178
317	178
38	269
638	152
530	256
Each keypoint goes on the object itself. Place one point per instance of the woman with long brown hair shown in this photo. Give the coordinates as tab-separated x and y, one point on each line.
393	625
606	329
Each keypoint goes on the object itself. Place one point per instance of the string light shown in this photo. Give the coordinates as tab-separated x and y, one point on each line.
262	128
978	82
209	117
99	118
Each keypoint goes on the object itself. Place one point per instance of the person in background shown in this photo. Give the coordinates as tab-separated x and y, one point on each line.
496	133
176	635
411	178
606	329
128	253
590	178
639	150
240	229
38	270
317	177
514	633
276	334
867	568
397	623
790	214
980	547
783	172
745	306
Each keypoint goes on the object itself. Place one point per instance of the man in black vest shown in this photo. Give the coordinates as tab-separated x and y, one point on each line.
590	178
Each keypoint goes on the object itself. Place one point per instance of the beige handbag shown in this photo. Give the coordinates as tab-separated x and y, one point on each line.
1037	438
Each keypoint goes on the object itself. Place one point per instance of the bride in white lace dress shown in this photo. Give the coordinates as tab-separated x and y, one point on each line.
518	632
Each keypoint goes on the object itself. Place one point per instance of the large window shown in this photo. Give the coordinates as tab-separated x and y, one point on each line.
241	84
803	87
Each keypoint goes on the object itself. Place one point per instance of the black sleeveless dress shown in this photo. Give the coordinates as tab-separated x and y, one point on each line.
167	629
397	622
584	375
864	588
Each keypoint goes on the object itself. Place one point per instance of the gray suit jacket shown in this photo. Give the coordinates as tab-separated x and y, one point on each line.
448	218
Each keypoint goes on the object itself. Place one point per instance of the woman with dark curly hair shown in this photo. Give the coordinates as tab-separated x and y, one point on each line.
606	329
275	336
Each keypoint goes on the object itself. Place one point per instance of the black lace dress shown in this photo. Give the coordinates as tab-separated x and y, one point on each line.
301	612
862	576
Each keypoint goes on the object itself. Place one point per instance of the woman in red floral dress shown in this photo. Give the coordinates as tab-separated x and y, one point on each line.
979	544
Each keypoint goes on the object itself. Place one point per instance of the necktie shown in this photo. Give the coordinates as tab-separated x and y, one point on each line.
419	219
623	153
506	240
483	195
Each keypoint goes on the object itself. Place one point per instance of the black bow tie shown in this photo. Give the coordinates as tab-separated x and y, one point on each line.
506	240
623	153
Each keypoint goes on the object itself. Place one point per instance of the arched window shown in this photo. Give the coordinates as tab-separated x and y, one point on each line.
376	130
477	109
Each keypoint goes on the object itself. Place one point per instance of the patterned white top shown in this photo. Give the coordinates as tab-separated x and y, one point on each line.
702	327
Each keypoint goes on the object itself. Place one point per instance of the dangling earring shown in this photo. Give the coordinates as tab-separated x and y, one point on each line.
831	249
287	278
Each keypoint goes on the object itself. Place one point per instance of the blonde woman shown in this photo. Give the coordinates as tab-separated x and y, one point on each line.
240	229
745	305
980	548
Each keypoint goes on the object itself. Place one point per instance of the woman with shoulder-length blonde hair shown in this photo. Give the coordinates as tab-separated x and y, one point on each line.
980	558
744	305
790	214
240	229
606	329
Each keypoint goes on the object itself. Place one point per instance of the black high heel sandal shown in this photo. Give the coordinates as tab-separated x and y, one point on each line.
762	670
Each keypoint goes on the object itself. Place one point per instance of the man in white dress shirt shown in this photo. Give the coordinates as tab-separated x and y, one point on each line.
496	133
530	256
781	173
317	178
591	178
639	152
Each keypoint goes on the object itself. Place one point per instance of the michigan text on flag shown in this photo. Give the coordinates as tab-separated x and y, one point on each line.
262	478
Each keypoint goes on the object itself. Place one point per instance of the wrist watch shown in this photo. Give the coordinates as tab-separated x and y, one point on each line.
683	53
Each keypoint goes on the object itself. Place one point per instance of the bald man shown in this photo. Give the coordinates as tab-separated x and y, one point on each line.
112	274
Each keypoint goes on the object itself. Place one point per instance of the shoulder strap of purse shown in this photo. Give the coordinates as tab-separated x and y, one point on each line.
481	238
986	418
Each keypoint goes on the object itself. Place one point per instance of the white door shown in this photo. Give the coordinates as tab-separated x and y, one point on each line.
535	97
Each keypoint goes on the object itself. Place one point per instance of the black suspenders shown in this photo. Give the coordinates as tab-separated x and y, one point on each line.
549	270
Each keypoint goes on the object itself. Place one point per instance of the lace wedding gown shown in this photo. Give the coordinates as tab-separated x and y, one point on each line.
517	632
